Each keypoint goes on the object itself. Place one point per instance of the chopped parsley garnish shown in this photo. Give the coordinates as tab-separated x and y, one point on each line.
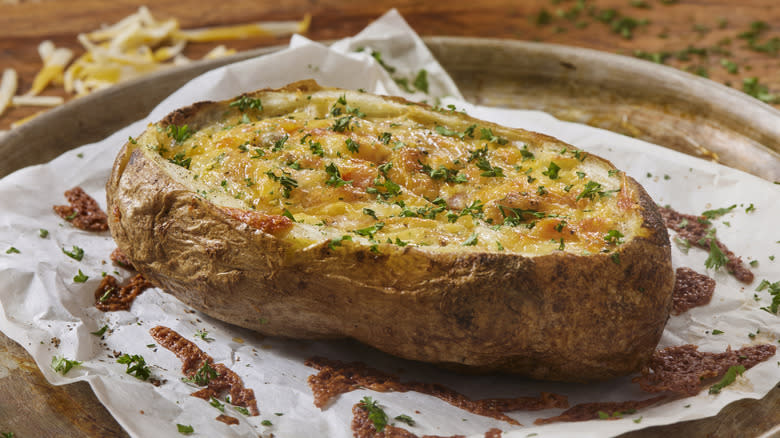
369	212
717	258
203	375
63	365
266	423
100	332
750	208
516	217
728	378
450	133
76	253
179	160
352	146
203	334
179	133
591	190
287	183
385	137
316	148
244	103
774	290
242	410
341	124
526	154
80	277
442	172
136	366
712	214
286	213
184	429
541	190
559	227
421	81
552	171
717	332
471	241
44	233
370	231
334	176
487	134
375	413
14	250
335	110
614	237
214	402
279	143
752	87
336	241
615	258
487	169
403	418
398	242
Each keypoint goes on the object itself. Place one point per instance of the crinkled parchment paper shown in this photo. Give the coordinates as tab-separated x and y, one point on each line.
39	299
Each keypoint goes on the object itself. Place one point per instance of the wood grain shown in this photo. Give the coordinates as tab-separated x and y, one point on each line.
672	27
73	410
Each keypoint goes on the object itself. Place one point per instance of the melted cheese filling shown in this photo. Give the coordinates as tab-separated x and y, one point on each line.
355	167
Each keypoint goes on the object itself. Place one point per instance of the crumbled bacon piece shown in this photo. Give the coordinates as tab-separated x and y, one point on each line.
592	411
110	297
694	229
682	369
337	377
83	212
119	258
193	358
691	289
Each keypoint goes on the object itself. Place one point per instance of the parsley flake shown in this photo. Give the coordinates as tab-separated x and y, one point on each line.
203	375
244	103
76	253
728	378
375	413
184	429
63	365
136	366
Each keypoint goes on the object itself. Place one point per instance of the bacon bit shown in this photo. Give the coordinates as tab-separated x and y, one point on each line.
682	369
267	223
109	297
695	231
590	411
227	419
193	358
336	377
83	212
691	289
493	433
119	258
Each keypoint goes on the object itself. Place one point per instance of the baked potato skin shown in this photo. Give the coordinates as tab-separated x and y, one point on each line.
559	316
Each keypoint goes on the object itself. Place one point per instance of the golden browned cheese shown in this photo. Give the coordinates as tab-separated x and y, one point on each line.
393	172
316	212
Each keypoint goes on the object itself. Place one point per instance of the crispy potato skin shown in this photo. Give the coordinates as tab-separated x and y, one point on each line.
554	317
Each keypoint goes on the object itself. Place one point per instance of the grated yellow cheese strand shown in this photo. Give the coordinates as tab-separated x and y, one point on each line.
243	31
8	85
53	66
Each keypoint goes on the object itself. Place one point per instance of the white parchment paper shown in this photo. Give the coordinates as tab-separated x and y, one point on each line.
39	299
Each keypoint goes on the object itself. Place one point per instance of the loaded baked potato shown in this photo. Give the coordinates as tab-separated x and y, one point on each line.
312	212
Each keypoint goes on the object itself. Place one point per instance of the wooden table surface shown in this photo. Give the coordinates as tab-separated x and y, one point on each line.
700	35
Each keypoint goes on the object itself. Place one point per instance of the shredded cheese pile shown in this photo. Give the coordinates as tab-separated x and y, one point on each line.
136	45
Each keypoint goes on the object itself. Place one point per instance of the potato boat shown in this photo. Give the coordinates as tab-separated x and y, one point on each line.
316	213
